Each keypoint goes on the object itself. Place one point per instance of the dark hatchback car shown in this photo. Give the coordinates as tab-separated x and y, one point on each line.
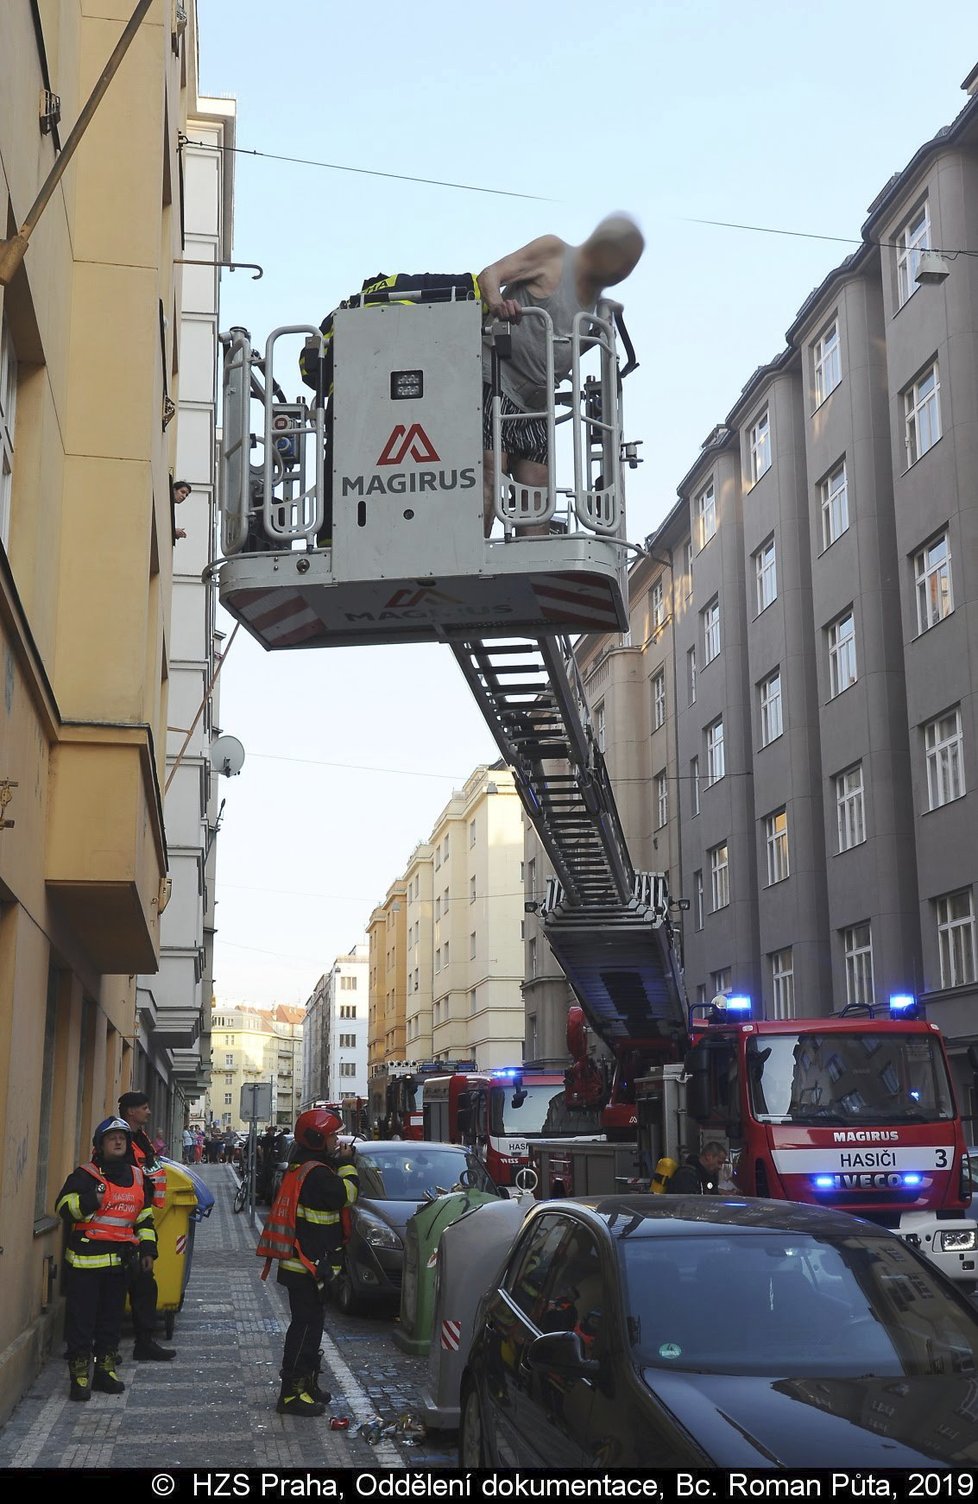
692	1331
395	1179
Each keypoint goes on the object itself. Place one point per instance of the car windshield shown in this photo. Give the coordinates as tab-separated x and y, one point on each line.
779	1303
847	1078
521	1110
406	1171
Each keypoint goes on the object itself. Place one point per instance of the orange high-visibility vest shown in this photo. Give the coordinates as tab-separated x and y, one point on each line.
118	1208
279	1238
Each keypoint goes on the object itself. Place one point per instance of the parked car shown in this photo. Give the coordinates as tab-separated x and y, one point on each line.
665	1331
395	1179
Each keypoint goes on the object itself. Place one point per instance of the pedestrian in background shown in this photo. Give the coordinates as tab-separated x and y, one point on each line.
108	1206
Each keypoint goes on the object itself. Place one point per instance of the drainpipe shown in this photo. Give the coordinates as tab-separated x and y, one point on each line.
13	251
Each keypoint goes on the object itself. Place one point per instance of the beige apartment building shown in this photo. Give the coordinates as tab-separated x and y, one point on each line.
88	388
796	696
250	1045
446	950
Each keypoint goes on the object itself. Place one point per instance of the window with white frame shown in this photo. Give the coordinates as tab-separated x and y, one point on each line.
706	514
698	898
850	808
599	725
444	954
688	568
833	494
827	357
956	938
531	956
657	607
348	1068
694	784
8	402
715	766
776	842
857	946
691	676
719	877
783	983
769	693
348	983
944	752
437	905
760	447
922	413
766	575
912	240
471	832
474	1000
472	888
710	617
229	1060
661	800
932	578
227	1098
472	945
659	700
842	654
720	981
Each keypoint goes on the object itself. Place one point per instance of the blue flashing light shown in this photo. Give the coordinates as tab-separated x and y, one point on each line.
913	1179
740	1004
508	1074
825	1182
914	1095
902	1002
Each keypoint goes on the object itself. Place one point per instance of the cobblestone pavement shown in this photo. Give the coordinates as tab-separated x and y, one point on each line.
214	1404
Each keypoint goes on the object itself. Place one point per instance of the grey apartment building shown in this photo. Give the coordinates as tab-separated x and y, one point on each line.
791	723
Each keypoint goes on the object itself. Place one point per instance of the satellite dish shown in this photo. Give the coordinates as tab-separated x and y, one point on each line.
227	756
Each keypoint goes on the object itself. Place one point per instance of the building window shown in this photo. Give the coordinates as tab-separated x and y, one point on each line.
849	808
694	783
474	1000
348	1010
227	1099
691	676
932	576
719	877
688	568
444	954
769	693
661	800
348	983
842	654
720	981
657	607
714	752
828	363
348	1067
783	983
911	241
8	400
956	938
698	898
599	725
531	957
229	1080
834	498
944	751
471	832
472	888
922	413
766	575
760	447
659	701
229	1060
776	841
710	617
472	946
706	515
857	944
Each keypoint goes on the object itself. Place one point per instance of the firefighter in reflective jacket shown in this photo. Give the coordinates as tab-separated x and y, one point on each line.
108	1205
305	1233
143	1292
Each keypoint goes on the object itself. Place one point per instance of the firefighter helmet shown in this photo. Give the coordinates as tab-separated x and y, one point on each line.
312	1128
110	1125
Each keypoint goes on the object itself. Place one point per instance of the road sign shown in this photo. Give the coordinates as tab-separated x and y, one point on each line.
256	1102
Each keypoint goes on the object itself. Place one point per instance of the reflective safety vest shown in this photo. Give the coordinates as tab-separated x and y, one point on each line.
118	1208
156	1175
280	1235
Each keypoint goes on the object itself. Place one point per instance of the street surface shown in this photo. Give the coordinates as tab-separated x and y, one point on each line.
214	1404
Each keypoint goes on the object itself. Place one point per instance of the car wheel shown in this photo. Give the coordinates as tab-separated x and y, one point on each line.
471	1444
347	1300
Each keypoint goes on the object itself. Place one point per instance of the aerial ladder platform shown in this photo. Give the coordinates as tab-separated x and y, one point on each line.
360	519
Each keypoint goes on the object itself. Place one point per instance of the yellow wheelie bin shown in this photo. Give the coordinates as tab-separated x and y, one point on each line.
187	1201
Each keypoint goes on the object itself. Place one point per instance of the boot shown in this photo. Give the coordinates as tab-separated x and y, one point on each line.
81	1385
148	1350
106	1380
296	1397
322	1395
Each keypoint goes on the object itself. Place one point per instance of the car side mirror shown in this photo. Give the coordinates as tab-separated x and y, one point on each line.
562	1352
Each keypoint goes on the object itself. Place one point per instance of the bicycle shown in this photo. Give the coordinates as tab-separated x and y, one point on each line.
240	1196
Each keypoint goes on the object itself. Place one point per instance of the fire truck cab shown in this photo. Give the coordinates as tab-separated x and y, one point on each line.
495	1113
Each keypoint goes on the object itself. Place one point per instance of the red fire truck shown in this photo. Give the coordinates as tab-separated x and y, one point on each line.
398	1091
497	1113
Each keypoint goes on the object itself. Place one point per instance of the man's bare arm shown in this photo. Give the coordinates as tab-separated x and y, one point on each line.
537	264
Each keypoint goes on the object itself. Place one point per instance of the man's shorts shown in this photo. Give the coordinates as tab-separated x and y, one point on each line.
521	441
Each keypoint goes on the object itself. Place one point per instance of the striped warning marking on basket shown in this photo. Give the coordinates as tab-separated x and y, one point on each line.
182	1243
451	1335
569	599
281	620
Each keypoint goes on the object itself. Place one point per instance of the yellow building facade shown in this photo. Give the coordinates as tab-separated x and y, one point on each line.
87	388
250	1045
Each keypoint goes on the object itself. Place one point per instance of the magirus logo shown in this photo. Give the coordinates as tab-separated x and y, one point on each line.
405	442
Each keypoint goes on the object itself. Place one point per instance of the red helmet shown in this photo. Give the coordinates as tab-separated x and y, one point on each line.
312	1128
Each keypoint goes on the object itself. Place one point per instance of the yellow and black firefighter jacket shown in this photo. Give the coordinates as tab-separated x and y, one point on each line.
109	1209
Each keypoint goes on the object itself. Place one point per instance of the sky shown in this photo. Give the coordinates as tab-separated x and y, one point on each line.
787	119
